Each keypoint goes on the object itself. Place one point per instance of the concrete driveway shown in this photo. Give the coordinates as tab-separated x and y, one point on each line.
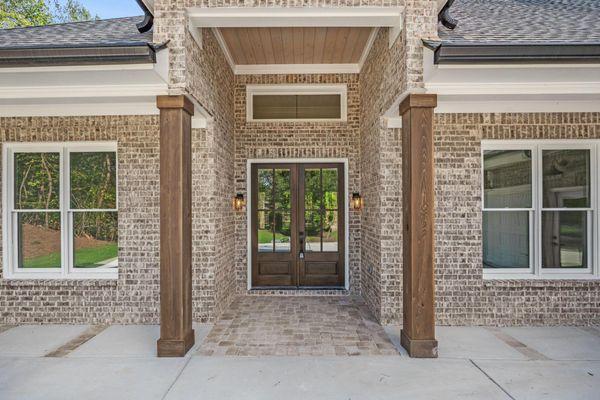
119	362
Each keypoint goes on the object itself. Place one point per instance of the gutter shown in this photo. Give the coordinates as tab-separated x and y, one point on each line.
148	21
507	53
136	53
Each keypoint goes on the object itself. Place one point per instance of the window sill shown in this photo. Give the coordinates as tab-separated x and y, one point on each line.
89	276
546	277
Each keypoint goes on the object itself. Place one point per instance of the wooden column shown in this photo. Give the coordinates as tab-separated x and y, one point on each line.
418	331
176	333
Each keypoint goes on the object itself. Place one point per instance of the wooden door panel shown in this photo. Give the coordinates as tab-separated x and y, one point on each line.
297	225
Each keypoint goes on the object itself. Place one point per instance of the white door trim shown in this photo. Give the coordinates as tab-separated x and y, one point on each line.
249	163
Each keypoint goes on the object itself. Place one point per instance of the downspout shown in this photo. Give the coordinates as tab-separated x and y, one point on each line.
148	21
444	16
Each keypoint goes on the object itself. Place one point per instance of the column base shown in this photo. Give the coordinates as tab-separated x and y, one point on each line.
175	347
419	348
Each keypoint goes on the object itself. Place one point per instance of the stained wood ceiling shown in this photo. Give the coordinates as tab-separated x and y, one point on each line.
296	45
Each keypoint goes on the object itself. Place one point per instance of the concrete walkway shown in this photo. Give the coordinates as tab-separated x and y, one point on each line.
118	362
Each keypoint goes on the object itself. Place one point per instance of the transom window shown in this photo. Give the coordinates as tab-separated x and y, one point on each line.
60	210
296	102
540	208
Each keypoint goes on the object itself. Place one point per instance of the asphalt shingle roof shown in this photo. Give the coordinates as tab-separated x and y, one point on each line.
100	33
524	22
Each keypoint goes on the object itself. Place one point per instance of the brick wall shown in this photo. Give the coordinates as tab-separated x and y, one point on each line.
291	140
462	296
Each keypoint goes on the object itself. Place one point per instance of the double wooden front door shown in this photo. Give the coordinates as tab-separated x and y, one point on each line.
297	225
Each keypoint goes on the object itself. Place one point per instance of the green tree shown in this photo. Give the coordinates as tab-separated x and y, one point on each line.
18	13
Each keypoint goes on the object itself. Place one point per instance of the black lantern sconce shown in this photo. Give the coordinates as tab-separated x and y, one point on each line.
357	201
239	202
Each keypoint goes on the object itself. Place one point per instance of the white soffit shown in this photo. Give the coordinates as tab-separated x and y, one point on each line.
512	88
242	17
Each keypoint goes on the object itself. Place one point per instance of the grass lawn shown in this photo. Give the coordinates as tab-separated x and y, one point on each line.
266	236
89	257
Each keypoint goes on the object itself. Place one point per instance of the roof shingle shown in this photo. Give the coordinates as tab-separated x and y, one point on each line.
524	22
98	33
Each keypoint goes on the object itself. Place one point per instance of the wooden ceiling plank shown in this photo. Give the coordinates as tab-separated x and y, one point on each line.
351	43
233	44
309	45
244	38
288	45
329	49
267	44
362	41
298	44
319	46
277	41
341	38
256	44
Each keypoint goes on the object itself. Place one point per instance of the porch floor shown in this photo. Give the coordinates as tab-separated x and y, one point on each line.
296	326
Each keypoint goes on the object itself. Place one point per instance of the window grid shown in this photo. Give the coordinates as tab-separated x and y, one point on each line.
10	229
535	227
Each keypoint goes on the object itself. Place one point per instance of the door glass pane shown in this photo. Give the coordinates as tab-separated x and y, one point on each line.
283	224
507	178
265	188
564	239
93	180
95	236
37	181
330	188
330	231
506	239
312	229
312	189
38	240
566	181
265	231
282	189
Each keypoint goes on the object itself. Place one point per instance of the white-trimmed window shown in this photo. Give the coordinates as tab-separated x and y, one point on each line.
60	210
540	208
276	103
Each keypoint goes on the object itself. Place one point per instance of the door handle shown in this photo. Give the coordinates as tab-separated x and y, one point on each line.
301	237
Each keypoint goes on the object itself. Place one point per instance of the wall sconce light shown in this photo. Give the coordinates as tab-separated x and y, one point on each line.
357	201
238	202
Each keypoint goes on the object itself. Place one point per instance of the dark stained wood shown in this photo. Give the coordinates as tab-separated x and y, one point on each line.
418	331
176	333
282	269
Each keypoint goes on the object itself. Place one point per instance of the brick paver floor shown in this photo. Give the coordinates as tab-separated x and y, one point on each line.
280	326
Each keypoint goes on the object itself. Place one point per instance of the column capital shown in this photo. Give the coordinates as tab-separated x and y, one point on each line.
175	102
418	100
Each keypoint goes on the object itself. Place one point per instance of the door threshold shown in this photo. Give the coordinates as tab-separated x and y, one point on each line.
296	288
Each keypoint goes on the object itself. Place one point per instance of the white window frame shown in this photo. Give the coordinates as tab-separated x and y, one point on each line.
535	216
9	215
315	89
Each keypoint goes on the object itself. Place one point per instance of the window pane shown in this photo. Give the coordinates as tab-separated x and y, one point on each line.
507	178
564	239
265	188
506	239
38	240
566	178
330	231
95	236
313	231
265	231
93	180
282	189
312	189
319	106
330	188
37	181
274	106
283	222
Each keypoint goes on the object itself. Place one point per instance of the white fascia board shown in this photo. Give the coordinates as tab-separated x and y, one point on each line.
85	107
72	91
511	88
238	17
273	69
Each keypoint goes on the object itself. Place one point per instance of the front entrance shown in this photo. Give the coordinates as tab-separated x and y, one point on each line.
297	225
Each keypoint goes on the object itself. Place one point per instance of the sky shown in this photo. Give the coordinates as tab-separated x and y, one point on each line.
112	8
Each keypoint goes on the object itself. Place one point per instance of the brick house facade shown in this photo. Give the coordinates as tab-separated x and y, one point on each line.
220	150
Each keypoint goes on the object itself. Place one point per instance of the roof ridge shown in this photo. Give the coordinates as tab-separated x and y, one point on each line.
70	23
